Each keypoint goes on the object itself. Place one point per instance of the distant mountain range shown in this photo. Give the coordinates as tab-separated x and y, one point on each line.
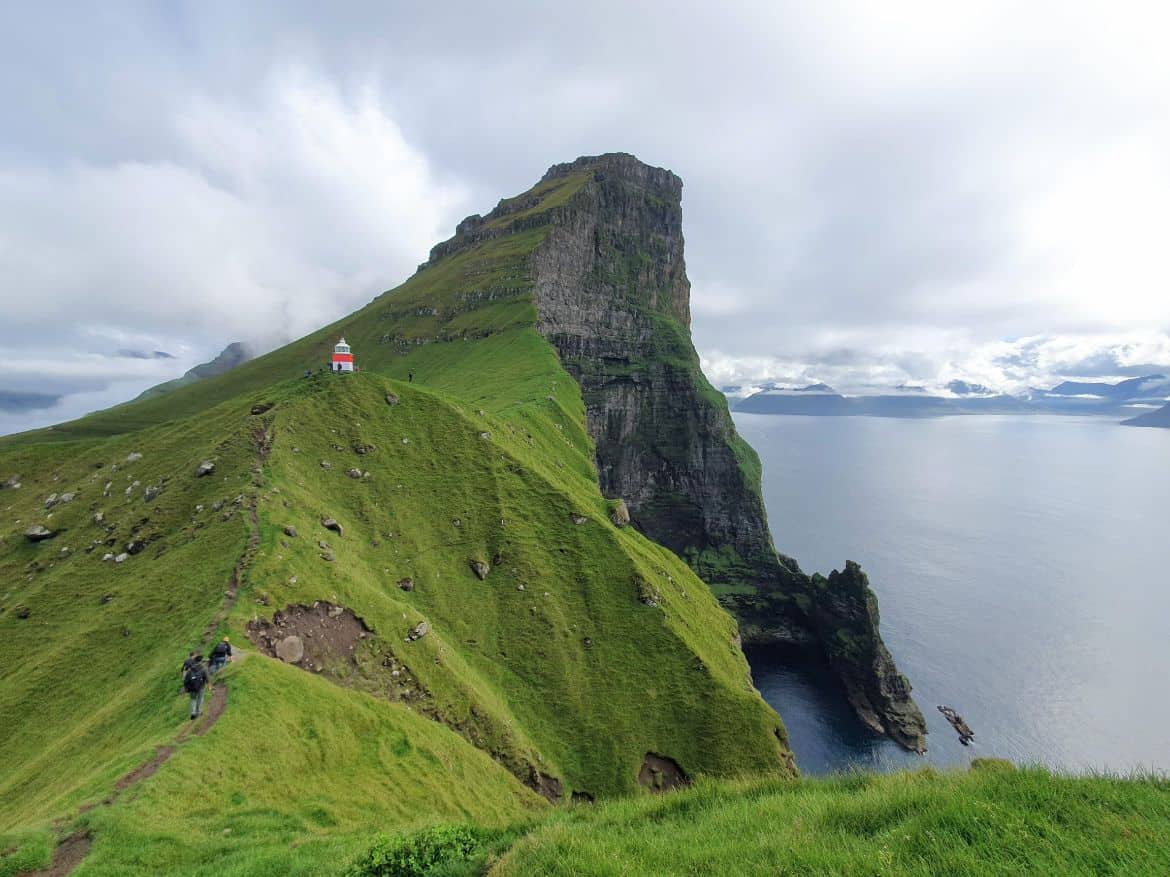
1159	418
1136	398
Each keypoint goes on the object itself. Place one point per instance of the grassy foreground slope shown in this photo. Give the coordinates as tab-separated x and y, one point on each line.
991	821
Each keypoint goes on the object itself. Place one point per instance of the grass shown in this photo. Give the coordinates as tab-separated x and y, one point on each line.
990	821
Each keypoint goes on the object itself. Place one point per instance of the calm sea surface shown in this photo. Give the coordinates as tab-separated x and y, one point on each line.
1022	570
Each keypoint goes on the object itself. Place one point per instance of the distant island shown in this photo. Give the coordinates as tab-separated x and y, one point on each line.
1145	400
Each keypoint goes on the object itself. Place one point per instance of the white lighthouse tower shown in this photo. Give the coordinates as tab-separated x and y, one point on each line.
342	357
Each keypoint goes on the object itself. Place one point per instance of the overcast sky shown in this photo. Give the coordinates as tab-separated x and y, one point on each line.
875	193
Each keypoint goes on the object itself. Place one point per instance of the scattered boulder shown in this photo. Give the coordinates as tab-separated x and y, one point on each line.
391	399
619	513
325	464
151	493
579	520
485	435
107	556
356	474
106	598
22	611
12	482
418	632
327	556
331	524
130	489
38	533
204	468
99	518
261	407
407	584
50	500
364	449
68	497
133	457
122	558
480	568
135	546
290	649
290	531
588	642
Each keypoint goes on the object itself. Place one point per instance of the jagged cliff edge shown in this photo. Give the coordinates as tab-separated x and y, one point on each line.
612	296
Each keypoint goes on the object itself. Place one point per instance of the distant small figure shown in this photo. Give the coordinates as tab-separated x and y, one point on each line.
410	377
308	373
220	655
194	683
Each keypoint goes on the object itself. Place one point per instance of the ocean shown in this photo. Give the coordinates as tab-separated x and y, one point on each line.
1022	571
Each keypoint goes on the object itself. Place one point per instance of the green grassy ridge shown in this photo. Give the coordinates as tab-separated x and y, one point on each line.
509	663
534	469
993	820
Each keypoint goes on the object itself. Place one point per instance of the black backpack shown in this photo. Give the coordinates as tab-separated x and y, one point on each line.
220	650
194	679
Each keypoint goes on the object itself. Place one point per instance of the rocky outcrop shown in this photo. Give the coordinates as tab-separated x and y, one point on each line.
612	296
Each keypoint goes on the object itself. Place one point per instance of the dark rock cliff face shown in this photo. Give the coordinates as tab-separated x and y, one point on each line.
612	296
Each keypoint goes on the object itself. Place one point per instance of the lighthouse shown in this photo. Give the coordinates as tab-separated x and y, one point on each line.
342	357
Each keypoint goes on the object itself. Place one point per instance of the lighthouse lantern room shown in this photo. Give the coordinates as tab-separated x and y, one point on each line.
342	357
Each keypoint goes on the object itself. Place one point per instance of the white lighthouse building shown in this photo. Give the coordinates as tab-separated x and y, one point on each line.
342	357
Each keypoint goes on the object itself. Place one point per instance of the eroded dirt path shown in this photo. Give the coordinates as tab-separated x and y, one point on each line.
72	850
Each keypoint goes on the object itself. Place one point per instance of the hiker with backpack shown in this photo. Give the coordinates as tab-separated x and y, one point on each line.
220	655
194	683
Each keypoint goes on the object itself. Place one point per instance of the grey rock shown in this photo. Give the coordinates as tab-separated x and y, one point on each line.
107	556
325	464
122	558
50	500
151	493
205	468
99	518
136	546
579	519
620	514
290	531
480	568
354	473
418	631
407	584
68	497
133	457
12	482
331	524
38	533
291	649
391	399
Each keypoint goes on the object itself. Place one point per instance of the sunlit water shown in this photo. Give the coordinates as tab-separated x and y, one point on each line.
1022	570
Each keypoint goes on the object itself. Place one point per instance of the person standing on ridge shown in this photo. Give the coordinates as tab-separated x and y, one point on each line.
410	377
220	655
194	682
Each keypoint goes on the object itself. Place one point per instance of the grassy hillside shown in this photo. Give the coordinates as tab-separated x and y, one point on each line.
991	821
585	647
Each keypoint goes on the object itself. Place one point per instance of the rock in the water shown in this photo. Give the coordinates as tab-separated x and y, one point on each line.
204	468
391	399
38	533
418	632
331	524
290	649
480	568
133	457
407	584
620	514
290	531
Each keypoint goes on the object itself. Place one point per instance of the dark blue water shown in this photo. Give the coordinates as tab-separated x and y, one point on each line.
1022	569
